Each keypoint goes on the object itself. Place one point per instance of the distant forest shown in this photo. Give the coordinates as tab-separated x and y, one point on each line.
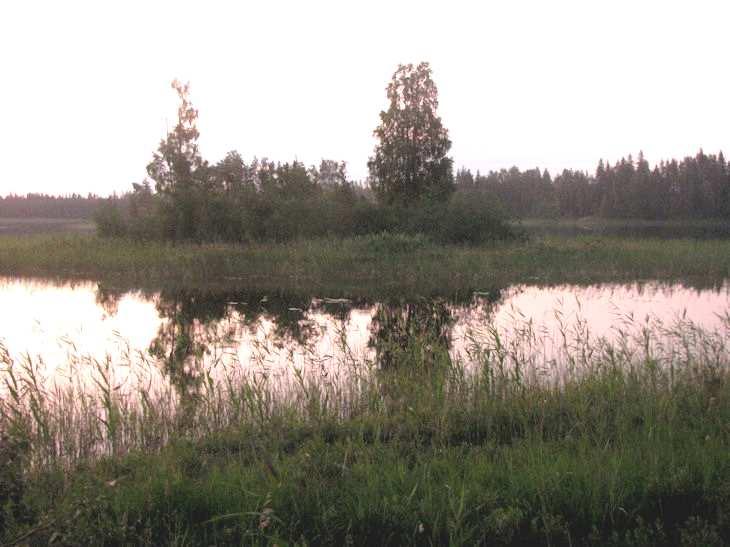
695	187
46	206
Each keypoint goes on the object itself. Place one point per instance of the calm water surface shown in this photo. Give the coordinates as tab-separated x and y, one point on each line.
58	323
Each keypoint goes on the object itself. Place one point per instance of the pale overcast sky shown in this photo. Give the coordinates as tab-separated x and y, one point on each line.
85	86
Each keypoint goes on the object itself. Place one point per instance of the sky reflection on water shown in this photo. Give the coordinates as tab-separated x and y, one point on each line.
271	333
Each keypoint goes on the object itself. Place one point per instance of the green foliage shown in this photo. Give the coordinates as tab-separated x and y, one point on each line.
287	201
109	221
264	201
472	217
410	160
179	172
14	447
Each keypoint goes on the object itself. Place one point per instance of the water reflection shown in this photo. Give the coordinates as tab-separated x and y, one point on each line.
398	330
188	333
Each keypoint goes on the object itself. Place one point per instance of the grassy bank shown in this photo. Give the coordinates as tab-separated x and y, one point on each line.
368	266
341	485
613	444
625	227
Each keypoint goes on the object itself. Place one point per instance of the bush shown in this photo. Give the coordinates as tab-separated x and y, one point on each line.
467	217
109	221
470	218
273	213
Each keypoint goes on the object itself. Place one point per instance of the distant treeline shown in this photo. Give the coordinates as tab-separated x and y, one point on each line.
45	206
696	187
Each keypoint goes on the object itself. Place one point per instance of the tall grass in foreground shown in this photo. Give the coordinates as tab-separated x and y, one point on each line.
604	442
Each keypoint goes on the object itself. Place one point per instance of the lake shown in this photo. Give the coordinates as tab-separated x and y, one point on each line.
68	329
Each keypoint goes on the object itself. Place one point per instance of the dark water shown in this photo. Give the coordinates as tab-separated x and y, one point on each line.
66	327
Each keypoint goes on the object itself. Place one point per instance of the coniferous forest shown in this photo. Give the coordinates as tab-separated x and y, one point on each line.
47	206
695	187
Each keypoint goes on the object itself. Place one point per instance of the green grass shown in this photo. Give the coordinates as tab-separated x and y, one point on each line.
625	227
372	266
619	444
352	491
601	222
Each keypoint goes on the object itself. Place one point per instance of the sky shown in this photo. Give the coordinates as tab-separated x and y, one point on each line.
85	92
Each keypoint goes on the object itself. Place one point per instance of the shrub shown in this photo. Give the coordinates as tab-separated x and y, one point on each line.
109	221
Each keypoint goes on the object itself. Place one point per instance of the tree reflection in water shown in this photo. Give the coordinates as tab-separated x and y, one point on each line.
415	331
421	331
198	326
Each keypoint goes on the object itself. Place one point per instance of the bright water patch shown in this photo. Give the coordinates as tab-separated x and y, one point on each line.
176	331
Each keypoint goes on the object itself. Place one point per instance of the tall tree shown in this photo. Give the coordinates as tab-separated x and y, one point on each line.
410	158
178	170
330	174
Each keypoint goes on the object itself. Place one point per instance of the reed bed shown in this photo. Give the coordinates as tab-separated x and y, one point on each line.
618	441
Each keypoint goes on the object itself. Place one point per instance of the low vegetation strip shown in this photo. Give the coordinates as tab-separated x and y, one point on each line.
671	489
369	266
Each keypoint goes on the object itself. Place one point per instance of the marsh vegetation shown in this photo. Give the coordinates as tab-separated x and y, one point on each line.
369	266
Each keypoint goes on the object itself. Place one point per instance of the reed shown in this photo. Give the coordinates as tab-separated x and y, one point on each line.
620	441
